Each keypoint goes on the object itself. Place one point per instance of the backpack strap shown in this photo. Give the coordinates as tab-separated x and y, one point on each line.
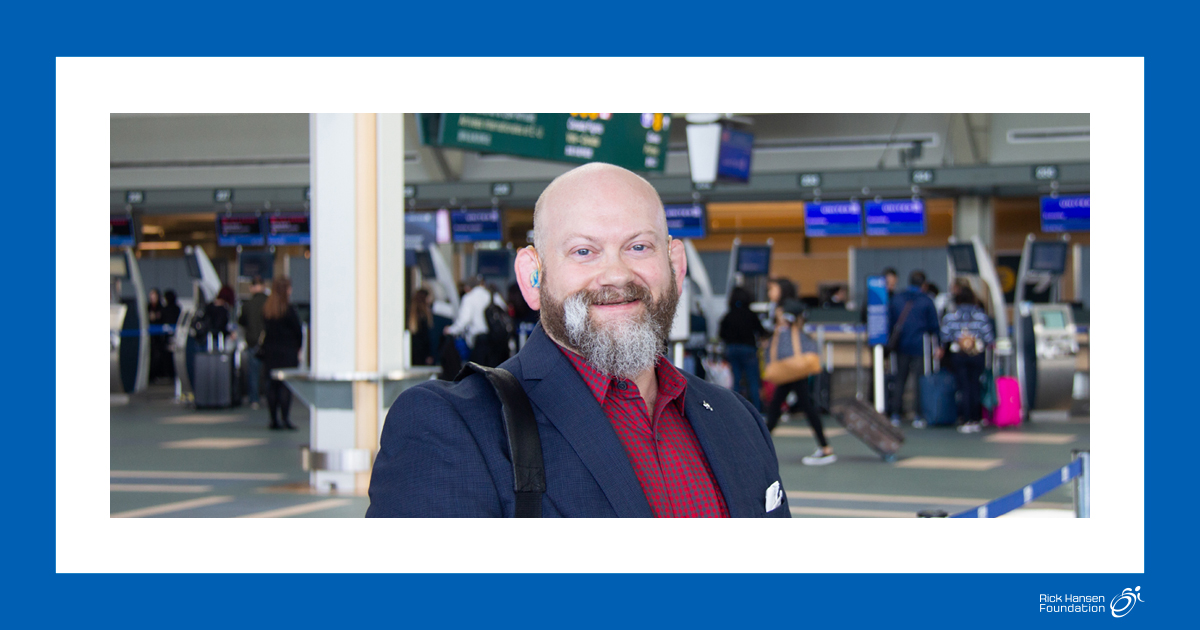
529	473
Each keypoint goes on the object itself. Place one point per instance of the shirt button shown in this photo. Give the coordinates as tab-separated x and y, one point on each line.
622	386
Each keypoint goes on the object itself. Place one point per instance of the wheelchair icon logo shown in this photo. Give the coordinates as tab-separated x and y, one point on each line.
1124	602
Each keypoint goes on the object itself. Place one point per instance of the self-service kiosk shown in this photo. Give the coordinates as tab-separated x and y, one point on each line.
129	330
1045	332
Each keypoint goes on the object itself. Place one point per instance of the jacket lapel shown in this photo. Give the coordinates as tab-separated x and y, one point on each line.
557	390
724	447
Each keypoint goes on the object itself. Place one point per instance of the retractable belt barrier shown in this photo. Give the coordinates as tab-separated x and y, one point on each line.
157	329
1077	470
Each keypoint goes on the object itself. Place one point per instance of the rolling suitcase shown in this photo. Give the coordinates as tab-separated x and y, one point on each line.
938	405
215	386
1008	402
871	427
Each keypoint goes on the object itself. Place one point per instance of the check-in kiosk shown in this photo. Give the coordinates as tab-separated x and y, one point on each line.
129	330
1045	333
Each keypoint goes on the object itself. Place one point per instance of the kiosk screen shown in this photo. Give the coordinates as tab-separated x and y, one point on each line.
289	228
493	263
240	229
1048	257
118	267
1053	320
963	257
754	260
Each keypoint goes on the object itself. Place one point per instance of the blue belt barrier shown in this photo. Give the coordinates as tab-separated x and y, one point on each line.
846	328
157	329
1014	500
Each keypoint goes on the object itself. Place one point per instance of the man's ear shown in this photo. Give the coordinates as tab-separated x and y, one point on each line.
679	262
528	268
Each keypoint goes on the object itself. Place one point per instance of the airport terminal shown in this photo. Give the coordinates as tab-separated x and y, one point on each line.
279	280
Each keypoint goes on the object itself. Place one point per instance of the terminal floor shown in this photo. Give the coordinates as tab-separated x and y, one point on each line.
168	460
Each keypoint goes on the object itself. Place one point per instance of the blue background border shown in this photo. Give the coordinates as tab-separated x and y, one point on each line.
799	29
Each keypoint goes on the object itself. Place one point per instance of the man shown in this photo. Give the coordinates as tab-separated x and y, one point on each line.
623	432
911	315
471	322
251	320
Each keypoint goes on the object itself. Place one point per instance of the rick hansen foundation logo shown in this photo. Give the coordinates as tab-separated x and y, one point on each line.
1120	605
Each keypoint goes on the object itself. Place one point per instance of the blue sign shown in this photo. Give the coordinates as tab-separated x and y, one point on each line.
733	159
240	229
121	231
895	217
877	310
1068	213
288	228
754	260
840	218
469	226
685	220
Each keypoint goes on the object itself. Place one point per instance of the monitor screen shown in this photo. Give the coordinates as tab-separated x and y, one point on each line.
892	217
422	260
1053	320
493	263
839	218
122	231
963	257
118	266
288	228
1067	213
240	229
686	220
193	265
256	263
420	230
1048	257
733	157
754	260
475	225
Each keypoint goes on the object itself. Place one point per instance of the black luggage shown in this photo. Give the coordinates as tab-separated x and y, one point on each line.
871	427
216	379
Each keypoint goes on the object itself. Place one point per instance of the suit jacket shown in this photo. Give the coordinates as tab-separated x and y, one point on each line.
443	450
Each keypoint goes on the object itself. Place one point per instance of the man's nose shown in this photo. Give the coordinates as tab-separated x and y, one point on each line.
615	271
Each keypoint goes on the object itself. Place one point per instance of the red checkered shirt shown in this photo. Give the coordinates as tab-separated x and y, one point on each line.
664	451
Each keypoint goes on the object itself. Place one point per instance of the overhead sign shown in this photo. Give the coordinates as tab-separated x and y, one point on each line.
122	231
733	159
240	229
839	218
1067	213
921	176
469	226
891	217
633	141
288	228
810	180
685	220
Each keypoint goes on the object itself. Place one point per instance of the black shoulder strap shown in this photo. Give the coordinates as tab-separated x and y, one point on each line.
529	474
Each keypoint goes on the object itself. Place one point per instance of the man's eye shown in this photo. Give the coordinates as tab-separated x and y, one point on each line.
639	248
583	252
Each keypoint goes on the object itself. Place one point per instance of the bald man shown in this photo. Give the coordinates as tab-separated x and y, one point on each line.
623	432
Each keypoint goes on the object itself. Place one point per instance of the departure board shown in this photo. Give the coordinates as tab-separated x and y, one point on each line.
839	218
1067	213
686	220
289	228
475	225
240	229
892	217
637	142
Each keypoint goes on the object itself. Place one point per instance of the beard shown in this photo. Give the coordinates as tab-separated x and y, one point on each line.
622	348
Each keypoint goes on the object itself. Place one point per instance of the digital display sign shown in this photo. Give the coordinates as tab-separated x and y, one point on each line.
288	228
633	141
686	220
493	263
1048	257
962	255
468	226
894	217
122	231
839	218
754	260
240	229
1067	213
733	158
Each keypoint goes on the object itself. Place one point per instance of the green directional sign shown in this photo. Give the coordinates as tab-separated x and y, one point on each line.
633	141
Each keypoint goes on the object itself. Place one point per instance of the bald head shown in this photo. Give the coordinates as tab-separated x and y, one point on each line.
590	185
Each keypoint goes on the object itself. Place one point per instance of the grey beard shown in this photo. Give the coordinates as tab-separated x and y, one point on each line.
623	349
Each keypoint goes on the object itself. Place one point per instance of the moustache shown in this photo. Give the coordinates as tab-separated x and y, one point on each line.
616	295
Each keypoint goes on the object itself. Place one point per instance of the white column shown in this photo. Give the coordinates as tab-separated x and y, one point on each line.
973	216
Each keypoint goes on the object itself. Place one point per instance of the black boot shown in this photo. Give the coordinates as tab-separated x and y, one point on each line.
287	424
275	424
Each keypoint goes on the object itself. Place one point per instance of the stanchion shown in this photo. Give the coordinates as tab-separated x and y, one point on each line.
1083	484
1077	470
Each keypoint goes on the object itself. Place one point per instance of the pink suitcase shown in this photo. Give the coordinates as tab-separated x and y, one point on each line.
1008	406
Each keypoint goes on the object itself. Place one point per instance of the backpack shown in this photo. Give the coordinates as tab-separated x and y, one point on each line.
499	324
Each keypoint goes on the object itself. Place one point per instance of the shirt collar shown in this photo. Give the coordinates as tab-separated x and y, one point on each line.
671	384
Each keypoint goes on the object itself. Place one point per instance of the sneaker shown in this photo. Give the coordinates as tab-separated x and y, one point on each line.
819	458
254	405
895	420
969	427
919	424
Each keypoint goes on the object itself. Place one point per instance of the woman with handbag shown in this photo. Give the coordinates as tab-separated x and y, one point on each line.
792	357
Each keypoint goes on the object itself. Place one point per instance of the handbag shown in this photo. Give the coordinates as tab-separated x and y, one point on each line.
799	366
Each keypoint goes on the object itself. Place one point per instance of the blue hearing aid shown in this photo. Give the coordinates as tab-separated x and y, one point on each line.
533	278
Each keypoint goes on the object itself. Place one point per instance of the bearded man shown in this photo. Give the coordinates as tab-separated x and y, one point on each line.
623	432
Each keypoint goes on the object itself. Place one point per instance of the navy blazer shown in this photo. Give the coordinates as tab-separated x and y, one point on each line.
443	450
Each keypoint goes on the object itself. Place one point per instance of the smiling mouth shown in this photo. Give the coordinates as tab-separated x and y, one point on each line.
617	303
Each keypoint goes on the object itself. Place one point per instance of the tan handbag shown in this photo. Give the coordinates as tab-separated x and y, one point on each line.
796	367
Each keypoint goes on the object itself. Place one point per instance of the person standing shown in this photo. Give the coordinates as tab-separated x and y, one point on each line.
282	339
779	290
911	316
791	317
969	332
158	338
251	320
471	322
170	319
741	330
420	325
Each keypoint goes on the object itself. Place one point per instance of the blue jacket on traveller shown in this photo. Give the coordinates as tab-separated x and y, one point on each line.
922	319
443	451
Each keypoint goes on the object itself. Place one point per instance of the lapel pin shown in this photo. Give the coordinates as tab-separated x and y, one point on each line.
707	406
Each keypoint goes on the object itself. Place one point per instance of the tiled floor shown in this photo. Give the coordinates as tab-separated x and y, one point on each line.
172	461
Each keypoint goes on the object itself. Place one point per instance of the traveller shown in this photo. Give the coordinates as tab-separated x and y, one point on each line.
968	332
791	316
251	320
623	433
911	316
741	330
283	336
